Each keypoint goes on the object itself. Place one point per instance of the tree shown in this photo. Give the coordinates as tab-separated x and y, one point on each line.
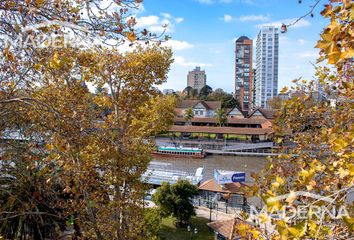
217	94
228	101
221	116
321	162
26	189
275	103
98	158
188	116
151	223
204	92
176	200
190	93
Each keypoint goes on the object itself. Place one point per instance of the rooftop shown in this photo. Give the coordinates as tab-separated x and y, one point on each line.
228	227
191	103
221	130
242	38
229	120
233	188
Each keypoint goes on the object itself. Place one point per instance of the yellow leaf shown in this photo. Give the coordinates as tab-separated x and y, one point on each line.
347	54
340	144
39	2
334	57
293	231
49	147
37	66
131	36
349	221
343	172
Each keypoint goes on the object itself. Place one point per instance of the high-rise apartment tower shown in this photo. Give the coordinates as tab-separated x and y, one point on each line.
196	79
267	55
243	72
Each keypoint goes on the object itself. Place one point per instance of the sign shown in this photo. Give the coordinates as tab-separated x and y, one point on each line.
239	177
224	177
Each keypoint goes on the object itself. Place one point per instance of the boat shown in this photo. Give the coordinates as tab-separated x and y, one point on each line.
156	176
179	152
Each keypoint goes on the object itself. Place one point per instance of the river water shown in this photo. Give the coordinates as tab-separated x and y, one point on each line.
230	163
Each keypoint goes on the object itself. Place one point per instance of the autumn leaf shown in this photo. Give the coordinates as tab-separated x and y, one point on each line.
131	36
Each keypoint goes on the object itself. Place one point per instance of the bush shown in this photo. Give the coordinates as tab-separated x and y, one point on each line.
176	201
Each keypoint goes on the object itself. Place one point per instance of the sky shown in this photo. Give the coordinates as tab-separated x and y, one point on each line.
204	31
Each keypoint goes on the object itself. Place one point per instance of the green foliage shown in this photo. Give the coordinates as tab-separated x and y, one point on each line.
207	94
228	101
204	92
221	116
188	115
152	223
175	200
169	231
190	93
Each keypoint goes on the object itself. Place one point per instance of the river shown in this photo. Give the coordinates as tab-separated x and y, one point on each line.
231	163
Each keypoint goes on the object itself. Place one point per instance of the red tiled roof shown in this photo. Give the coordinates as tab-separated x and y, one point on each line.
221	130
229	120
233	188
267	113
224	227
213	104
191	103
228	227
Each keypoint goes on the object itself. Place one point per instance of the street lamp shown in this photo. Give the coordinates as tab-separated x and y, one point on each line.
192	233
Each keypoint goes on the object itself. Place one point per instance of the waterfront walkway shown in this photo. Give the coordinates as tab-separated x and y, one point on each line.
255	152
224	147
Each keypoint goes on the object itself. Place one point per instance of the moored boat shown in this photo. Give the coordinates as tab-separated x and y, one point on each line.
180	152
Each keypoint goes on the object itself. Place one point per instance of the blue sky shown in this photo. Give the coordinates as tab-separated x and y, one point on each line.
203	33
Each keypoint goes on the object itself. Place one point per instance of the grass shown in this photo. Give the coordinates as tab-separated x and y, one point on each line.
168	230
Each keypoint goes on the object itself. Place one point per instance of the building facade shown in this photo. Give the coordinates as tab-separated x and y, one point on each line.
196	79
267	56
243	72
254	72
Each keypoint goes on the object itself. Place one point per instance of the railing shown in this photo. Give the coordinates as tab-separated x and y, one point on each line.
222	206
243	146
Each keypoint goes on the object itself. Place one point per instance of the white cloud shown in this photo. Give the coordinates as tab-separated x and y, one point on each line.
138	10
157	23
299	24
227	18
247	18
179	60
179	20
254	18
178	45
166	15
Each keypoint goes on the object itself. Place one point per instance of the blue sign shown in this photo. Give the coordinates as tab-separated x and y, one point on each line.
225	177
239	177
